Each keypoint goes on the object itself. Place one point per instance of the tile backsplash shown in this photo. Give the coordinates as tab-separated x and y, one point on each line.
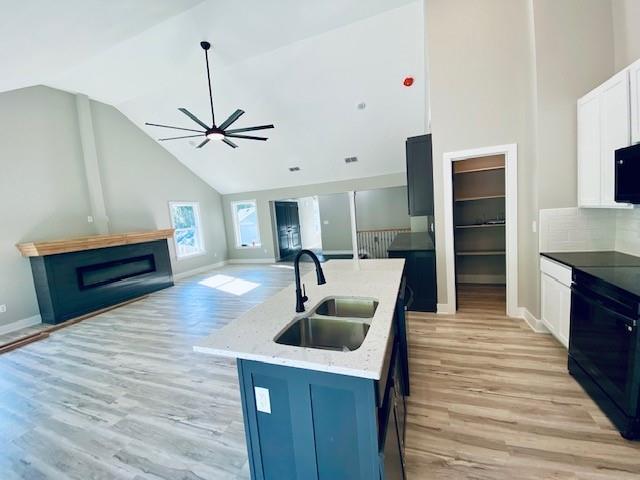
585	229
628	231
577	229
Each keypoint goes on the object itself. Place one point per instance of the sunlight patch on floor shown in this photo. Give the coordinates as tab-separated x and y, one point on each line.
229	284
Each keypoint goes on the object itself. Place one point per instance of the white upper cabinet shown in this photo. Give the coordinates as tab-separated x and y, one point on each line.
634	73
616	131
604	125
589	152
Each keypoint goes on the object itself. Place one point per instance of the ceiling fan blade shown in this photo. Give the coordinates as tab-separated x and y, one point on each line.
194	118
176	138
232	118
249	129
230	143
176	128
204	142
246	137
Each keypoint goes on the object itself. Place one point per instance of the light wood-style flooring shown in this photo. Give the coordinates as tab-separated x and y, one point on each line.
122	395
492	400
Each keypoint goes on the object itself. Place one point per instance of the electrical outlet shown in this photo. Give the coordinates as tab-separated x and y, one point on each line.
263	402
90	219
215	254
3	309
534	226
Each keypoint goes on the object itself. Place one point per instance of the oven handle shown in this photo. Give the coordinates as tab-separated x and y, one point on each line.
629	322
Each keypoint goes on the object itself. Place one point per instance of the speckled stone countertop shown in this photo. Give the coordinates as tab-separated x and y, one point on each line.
251	336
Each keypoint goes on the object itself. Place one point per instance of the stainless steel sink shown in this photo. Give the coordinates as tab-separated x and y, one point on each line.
325	333
352	307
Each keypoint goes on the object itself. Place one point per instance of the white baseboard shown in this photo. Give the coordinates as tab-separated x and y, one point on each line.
337	252
534	323
196	271
482	279
445	309
19	324
251	260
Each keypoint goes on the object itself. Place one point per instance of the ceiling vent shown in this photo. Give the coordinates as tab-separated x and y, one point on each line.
294	169
350	159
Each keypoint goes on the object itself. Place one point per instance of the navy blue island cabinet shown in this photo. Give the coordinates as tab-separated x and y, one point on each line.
327	426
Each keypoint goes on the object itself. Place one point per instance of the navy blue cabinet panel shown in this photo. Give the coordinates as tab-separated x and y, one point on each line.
278	455
326	424
420	272
335	432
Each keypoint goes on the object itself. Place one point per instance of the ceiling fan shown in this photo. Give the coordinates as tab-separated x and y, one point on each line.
213	131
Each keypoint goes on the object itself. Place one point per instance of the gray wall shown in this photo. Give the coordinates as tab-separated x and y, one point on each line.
44	193
382	208
626	15
335	222
139	178
42	186
574	45
480	60
265	199
512	73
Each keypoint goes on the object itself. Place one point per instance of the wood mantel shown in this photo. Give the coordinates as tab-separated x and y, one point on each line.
53	247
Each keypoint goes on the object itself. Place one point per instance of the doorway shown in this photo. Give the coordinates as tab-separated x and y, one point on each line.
481	228
288	228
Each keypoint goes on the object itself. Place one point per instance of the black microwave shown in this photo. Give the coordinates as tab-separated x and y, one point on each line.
628	175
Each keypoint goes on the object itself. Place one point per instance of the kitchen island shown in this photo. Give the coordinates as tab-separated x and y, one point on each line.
330	410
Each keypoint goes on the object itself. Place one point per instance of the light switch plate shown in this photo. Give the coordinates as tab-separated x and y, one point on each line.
263	402
3	308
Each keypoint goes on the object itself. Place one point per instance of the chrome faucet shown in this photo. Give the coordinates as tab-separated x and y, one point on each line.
301	296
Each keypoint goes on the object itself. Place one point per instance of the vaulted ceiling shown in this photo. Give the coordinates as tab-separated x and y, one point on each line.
304	65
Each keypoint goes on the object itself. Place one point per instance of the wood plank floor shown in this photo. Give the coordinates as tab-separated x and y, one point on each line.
491	399
122	395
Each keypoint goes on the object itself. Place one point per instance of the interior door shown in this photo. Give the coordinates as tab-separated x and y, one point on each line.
282	222
288	225
615	129
294	224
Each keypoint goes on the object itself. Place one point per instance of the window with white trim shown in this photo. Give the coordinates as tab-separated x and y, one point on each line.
185	218
245	223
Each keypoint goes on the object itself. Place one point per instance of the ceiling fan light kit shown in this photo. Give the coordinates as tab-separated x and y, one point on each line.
213	132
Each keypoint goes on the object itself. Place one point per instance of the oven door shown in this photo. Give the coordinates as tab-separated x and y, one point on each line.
603	342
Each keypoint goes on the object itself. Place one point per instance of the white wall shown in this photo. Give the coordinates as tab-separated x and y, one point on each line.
44	192
310	230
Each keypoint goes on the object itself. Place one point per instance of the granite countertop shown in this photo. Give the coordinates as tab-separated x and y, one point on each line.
414	241
594	259
617	269
251	336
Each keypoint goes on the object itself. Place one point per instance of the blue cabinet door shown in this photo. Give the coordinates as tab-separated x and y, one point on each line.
322	426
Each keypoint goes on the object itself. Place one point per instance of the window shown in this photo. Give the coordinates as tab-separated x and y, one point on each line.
185	218
245	222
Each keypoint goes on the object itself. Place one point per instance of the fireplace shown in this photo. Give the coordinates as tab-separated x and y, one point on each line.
93	276
76	278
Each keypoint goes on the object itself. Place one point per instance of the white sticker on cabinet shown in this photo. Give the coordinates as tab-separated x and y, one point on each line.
263	402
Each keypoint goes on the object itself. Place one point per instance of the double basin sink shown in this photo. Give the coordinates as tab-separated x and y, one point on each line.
336	323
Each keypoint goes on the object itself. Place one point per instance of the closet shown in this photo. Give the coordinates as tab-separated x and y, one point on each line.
479	224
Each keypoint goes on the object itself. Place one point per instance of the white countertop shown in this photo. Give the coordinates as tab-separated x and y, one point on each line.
251	336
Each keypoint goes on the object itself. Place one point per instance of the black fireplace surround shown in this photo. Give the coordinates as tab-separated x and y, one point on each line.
69	285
